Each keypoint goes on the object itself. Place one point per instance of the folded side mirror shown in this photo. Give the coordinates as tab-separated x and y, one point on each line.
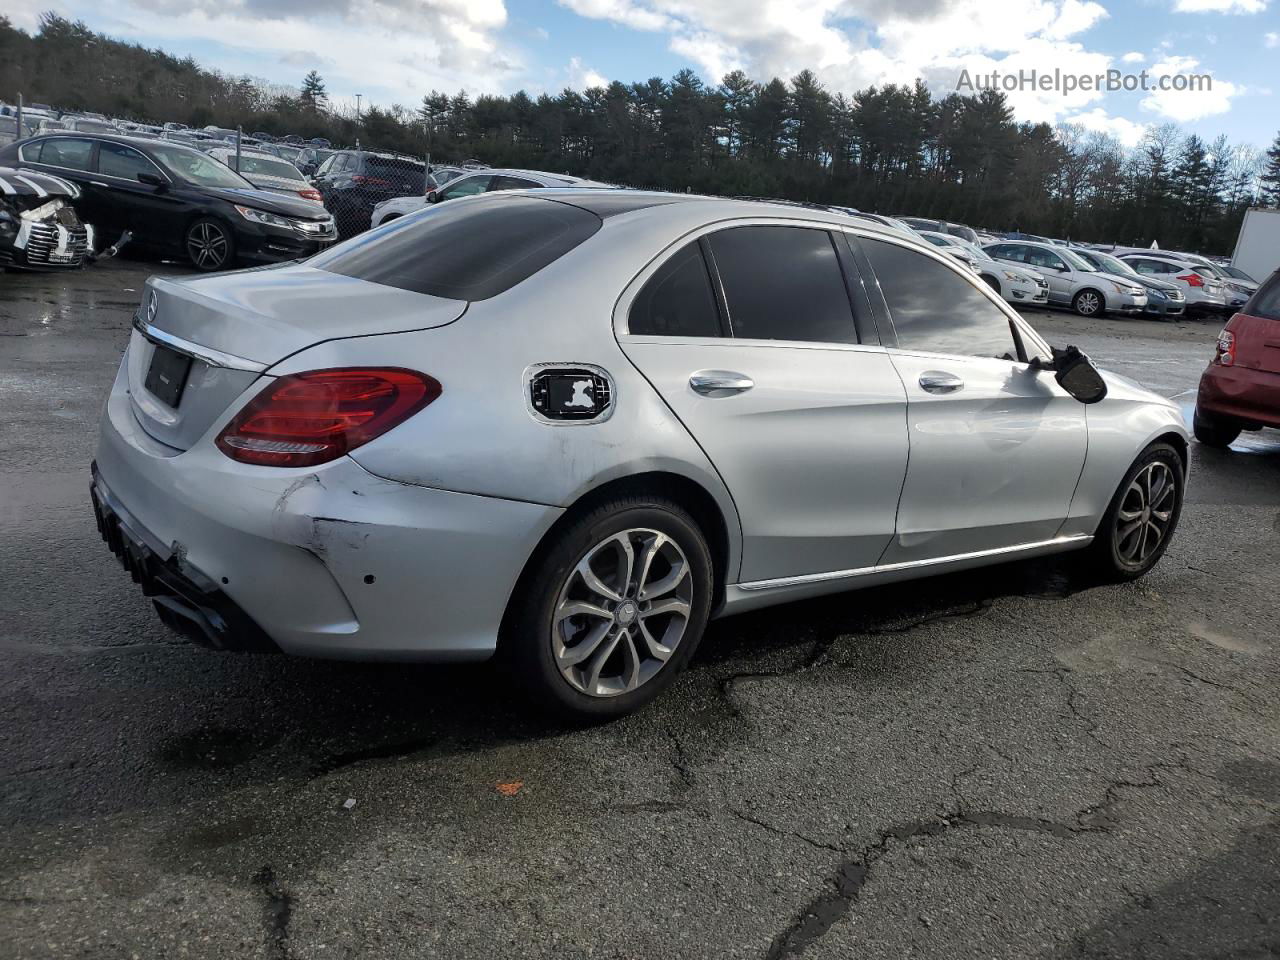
1075	373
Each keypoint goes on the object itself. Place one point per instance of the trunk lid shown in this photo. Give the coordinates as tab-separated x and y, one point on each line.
235	326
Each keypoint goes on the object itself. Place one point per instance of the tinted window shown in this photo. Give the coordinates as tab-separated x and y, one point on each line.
400	173
466	187
513	183
1266	302
936	309
466	251
1009	251
783	283
66	152
678	300
115	160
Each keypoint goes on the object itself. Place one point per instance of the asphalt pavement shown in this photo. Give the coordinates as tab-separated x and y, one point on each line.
1008	763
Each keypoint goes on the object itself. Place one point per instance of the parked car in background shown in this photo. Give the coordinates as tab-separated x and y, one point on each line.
1235	291
353	182
1240	389
476	182
1235	273
1203	292
176	200
171	125
1164	299
88	124
9	129
1014	284
879	218
1073	282
941	226
310	159
268	173
391	471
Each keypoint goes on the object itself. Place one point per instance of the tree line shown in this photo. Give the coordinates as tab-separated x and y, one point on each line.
889	149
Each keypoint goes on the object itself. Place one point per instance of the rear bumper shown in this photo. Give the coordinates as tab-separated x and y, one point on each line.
1239	393
329	561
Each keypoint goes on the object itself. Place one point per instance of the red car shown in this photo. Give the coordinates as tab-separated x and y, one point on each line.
1240	389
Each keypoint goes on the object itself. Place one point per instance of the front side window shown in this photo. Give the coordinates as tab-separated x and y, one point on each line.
935	309
69	152
783	283
117	160
678	300
467	187
194	167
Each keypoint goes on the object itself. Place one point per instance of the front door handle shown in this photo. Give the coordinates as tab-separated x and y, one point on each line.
95	183
938	381
720	383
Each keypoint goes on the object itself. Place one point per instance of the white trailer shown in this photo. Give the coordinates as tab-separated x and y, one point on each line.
1258	246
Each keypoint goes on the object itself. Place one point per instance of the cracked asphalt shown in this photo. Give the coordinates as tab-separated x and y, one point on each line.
1007	763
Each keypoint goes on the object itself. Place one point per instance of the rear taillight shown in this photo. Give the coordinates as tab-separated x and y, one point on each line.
1226	355
308	418
1192	279
310	193
370	181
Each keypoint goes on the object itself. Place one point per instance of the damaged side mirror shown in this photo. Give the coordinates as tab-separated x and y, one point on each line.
1075	373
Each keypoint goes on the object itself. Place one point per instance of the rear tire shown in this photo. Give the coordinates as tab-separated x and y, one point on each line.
589	635
1213	431
1142	517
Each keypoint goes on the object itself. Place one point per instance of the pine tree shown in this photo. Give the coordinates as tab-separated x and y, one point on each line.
1270	178
313	93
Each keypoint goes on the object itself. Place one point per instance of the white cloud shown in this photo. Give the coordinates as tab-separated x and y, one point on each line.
1127	132
1187	105
389	50
1219	6
582	77
1271	40
1133	57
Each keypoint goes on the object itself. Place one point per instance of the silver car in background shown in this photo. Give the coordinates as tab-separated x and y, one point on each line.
570	426
1015	284
1204	292
1164	299
268	172
473	182
1073	282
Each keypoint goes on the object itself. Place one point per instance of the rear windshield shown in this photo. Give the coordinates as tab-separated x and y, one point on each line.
1266	302
402	172
464	249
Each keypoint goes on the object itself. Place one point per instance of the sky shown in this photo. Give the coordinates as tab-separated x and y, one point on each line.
394	51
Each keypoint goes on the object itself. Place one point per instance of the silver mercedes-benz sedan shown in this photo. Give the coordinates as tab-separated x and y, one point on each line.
570	427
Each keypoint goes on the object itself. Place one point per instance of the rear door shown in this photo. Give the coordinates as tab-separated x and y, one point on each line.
749	335
996	448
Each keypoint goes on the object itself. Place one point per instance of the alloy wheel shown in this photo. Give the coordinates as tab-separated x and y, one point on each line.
621	612
207	244
1145	513
1087	304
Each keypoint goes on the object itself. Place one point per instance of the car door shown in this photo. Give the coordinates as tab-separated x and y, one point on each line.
749	336
70	158
996	448
154	214
1054	269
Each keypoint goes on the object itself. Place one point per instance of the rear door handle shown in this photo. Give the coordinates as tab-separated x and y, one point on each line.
938	381
95	183
720	383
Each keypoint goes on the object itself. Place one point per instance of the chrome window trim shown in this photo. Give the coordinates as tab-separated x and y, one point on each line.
207	355
753	585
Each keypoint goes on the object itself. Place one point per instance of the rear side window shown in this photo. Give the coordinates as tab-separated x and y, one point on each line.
783	283
1266	302
513	183
937	310
678	300
465	251
72	153
401	173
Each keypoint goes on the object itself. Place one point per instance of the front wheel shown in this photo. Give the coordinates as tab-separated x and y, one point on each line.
1088	303
1214	432
613	610
1137	527
210	245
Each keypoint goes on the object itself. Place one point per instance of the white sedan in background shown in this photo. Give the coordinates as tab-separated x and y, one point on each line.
480	181
1015	284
